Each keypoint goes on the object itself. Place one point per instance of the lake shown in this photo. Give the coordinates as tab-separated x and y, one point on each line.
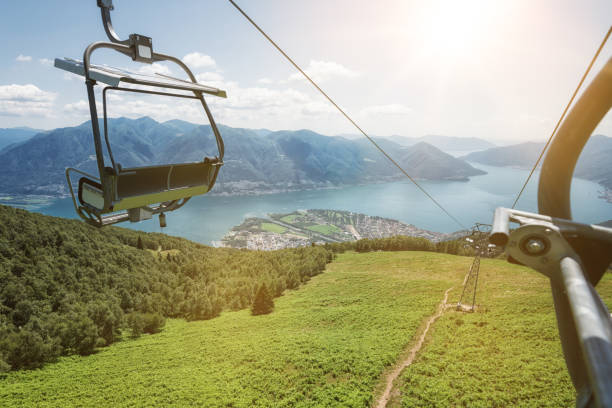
207	218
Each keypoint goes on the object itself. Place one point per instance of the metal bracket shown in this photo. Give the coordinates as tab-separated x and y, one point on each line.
545	232
141	46
540	246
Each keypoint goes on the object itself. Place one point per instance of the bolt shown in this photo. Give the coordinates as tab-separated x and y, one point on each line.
535	246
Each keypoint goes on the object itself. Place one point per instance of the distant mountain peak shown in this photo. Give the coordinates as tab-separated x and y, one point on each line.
593	164
281	160
146	119
445	143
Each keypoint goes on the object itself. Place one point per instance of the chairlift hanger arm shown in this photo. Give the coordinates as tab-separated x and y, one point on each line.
105	8
140	47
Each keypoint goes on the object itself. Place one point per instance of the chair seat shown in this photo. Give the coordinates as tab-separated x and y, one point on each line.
144	186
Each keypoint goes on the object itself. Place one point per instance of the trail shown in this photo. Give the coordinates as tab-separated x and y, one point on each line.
384	398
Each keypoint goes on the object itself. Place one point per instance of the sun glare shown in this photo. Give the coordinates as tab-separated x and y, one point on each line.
454	28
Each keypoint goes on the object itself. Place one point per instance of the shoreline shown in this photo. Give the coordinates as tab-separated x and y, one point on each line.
40	200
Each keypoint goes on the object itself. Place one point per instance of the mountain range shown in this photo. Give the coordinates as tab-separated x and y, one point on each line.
594	163
255	160
445	143
16	135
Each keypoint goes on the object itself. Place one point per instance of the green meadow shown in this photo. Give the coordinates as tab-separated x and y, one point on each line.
325	229
330	342
507	353
271	227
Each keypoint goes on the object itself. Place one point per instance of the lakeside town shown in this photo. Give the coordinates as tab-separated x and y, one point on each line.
305	227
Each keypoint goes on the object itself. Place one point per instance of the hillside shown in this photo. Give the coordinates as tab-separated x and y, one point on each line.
330	343
66	287
255	160
594	162
16	135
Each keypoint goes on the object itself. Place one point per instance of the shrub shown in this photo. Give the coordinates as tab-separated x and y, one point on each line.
135	322
26	349
153	323
4	366
140	323
263	302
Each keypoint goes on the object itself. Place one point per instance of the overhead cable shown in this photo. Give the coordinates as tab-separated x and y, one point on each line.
562	116
345	114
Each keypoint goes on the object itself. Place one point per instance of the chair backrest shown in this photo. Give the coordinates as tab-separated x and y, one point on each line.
155	179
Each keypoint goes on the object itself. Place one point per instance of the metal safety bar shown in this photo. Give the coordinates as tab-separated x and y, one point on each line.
573	255
583	318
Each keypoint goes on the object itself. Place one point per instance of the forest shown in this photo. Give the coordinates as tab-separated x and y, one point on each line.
69	288
406	243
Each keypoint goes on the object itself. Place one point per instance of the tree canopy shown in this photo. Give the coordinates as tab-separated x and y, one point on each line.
67	287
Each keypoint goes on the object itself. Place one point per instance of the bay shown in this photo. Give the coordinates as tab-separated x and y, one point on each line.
206	219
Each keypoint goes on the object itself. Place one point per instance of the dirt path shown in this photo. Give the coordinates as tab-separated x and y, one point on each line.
384	398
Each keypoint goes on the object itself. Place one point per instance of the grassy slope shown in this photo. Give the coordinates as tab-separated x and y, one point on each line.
325	344
506	354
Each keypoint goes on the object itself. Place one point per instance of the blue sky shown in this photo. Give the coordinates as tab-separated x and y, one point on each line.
501	70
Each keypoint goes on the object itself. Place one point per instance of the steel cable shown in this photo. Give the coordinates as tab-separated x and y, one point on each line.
562	116
345	114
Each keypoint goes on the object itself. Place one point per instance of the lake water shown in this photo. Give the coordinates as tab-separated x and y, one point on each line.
207	218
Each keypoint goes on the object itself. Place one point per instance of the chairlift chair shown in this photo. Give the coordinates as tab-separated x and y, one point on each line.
137	193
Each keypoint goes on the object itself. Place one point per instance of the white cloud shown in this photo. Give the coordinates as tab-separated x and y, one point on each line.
46	61
113	97
265	107
321	71
155	68
253	107
209	78
25	100
69	76
393	109
198	60
78	108
23	58
25	93
248	107
265	81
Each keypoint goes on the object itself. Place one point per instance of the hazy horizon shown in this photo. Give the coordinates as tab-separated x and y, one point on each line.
500	71
349	136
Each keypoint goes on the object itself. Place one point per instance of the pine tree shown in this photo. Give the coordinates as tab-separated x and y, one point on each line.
139	244
263	302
